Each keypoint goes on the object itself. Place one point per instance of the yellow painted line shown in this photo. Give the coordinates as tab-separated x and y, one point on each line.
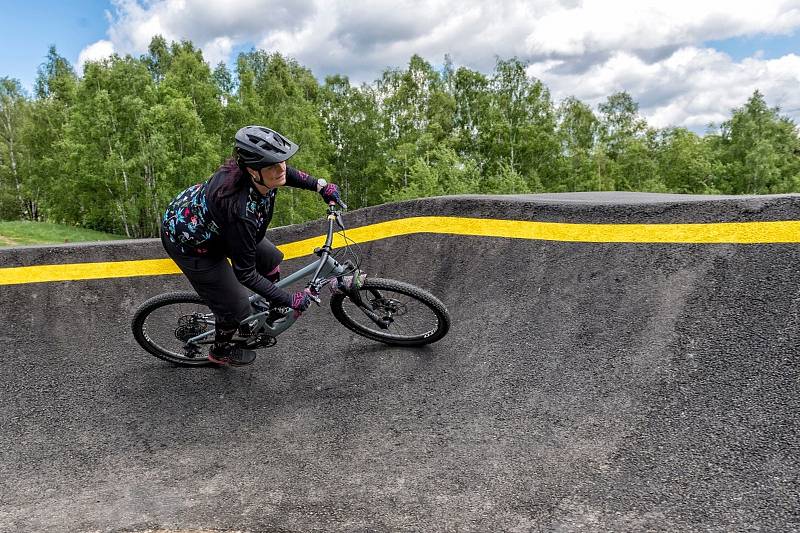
711	233
78	271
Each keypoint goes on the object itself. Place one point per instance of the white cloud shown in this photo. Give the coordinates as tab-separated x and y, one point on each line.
218	50
95	52
692	87
600	25
651	48
135	22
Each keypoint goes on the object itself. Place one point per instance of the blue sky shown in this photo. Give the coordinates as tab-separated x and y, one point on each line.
688	63
29	28
69	25
773	46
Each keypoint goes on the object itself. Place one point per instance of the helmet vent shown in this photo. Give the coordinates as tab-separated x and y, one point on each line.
259	146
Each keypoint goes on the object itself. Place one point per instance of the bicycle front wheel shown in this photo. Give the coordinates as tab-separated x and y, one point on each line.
163	324
412	316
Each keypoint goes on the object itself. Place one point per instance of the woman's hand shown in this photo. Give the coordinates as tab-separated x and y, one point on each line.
330	193
300	301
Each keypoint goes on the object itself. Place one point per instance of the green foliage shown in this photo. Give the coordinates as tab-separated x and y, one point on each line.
19	233
14	111
440	172
109	150
520	135
758	150
577	133
278	92
352	123
686	163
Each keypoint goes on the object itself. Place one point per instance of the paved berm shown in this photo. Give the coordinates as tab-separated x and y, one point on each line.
583	387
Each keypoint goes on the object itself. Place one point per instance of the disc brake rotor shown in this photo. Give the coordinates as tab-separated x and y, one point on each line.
389	307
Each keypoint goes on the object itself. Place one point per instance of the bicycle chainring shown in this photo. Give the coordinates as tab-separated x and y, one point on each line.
261	340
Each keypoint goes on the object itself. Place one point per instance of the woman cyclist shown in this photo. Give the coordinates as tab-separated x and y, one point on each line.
226	217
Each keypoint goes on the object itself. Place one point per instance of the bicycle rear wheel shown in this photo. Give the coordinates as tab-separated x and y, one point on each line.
414	317
164	323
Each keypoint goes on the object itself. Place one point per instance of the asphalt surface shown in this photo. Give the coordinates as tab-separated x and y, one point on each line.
582	387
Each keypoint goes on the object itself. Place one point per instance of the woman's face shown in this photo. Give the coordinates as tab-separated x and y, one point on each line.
271	177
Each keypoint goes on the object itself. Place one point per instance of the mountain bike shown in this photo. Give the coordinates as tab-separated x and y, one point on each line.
177	326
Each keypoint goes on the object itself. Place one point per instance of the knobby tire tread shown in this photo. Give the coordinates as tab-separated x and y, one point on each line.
401	287
144	310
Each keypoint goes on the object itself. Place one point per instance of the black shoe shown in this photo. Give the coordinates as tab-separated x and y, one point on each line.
230	355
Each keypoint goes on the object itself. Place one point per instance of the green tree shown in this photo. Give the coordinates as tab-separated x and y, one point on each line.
56	78
134	145
158	58
112	97
278	92
472	117
14	201
686	162
416	114
352	122
620	123
439	172
578	133
628	146
759	150
55	89
636	166
174	151
188	75
110	149
405	97
521	133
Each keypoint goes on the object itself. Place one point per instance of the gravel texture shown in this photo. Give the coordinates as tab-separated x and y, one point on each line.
582	387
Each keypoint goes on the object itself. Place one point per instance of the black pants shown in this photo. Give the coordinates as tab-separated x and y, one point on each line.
213	279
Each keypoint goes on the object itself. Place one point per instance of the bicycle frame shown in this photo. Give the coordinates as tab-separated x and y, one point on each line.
324	268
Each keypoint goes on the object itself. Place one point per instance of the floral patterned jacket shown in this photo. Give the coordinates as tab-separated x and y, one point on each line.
200	222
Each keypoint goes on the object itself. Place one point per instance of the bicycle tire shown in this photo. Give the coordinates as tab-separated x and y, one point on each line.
138	326
371	291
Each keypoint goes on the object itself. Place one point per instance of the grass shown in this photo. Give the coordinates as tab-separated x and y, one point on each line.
21	232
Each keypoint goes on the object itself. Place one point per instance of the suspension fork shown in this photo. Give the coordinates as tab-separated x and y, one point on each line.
355	297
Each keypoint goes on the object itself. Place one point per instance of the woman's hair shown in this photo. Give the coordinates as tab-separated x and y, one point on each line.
234	178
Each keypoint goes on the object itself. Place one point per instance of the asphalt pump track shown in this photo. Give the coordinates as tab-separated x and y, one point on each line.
605	383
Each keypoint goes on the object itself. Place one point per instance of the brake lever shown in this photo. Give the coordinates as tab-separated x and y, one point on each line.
313	293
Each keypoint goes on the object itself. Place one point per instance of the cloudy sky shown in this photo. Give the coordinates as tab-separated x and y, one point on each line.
687	63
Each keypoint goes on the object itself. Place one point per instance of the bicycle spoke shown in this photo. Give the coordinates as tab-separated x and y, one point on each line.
169	327
410	318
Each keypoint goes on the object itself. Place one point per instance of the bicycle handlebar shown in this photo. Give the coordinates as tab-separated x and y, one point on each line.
325	250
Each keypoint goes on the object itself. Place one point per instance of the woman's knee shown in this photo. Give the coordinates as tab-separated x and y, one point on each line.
268	259
274	275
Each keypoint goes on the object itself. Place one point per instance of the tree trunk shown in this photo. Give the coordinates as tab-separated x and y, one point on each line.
9	127
124	176
122	214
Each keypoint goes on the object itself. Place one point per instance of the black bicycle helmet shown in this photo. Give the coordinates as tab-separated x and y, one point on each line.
258	147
